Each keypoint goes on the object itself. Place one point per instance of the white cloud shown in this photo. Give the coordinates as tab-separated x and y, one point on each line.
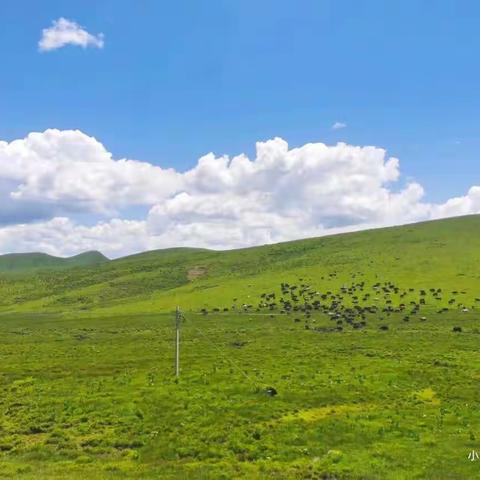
66	32
62	236
465	205
338	125
281	194
69	171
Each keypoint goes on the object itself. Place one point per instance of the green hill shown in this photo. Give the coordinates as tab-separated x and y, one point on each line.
442	254
27	262
369	339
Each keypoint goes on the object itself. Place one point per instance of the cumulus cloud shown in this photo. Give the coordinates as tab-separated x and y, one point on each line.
62	236
66	32
338	125
470	203
68	171
281	194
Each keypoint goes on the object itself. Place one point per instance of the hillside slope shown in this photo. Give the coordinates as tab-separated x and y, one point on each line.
442	254
28	262
365	389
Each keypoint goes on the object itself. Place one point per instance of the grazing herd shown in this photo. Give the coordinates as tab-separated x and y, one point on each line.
351	305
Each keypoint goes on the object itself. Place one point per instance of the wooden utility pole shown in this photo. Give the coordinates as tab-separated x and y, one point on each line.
177	342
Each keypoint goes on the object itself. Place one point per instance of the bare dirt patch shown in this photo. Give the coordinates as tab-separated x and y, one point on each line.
196	272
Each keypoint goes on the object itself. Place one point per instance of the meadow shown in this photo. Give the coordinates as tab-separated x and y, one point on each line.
370	341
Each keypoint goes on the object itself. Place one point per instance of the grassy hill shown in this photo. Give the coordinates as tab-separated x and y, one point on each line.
29	262
442	254
370	340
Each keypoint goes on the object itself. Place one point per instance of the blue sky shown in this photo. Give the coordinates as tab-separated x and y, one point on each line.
179	79
176	80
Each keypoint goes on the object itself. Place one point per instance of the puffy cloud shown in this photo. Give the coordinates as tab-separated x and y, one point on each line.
66	32
338	125
61	236
465	205
281	194
68	171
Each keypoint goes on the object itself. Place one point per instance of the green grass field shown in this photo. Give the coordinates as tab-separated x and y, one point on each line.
355	333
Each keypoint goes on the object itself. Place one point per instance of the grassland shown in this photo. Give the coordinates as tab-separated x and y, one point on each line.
363	393
443	254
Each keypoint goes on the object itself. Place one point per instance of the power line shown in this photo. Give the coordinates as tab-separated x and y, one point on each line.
178	316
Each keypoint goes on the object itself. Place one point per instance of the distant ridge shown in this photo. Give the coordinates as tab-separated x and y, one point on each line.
441	254
27	262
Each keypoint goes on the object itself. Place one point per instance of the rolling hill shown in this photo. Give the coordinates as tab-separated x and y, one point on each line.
375	379
442	254
28	262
